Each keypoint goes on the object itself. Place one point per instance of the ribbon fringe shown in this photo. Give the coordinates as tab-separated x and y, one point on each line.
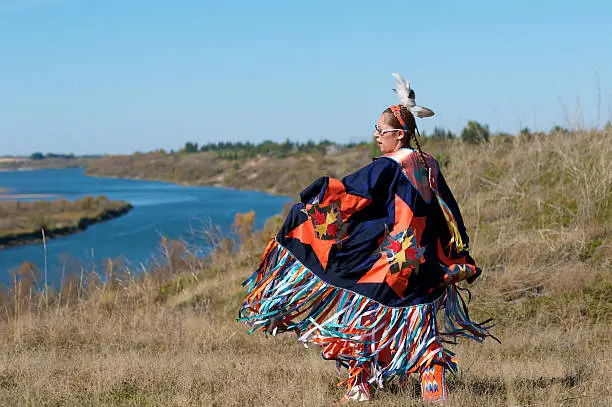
374	341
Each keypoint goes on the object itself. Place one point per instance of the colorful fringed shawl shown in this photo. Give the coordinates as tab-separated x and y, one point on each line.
362	266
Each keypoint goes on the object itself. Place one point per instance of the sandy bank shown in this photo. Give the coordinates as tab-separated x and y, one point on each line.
8	197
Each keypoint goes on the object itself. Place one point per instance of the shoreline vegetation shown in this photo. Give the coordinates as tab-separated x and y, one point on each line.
538	208
286	175
7	195
21	222
40	161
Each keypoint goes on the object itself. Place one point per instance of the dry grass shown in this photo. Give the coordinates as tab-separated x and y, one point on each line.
539	215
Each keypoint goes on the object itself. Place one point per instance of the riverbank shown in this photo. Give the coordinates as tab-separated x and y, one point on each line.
27	164
23	222
539	216
274	175
7	195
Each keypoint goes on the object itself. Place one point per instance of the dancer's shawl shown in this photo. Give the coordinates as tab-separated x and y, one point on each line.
362	265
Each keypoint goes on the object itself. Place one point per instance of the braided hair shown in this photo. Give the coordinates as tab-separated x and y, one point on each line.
411	129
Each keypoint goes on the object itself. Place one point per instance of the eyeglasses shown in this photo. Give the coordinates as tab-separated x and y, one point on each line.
382	132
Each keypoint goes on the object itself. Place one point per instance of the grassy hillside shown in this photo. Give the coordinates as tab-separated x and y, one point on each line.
538	212
285	176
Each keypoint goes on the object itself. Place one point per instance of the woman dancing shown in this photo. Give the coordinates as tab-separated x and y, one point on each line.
367	267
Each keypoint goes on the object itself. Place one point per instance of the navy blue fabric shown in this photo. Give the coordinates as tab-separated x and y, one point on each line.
349	261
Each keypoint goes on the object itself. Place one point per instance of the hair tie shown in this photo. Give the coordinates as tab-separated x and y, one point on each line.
398	115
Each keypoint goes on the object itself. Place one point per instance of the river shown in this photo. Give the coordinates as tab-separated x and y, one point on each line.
160	209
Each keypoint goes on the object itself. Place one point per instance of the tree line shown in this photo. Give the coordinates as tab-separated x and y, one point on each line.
247	149
473	133
70	156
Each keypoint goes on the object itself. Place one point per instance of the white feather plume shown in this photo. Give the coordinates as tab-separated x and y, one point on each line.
420	111
402	89
406	97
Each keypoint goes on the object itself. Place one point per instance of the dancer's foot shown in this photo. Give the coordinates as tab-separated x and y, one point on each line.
276	325
433	388
357	393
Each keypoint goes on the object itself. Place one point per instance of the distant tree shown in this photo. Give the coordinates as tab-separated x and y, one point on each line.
608	126
558	129
353	144
191	147
438	133
441	134
322	146
267	147
308	147
287	146
525	132
61	156
240	150
37	156
503	134
475	133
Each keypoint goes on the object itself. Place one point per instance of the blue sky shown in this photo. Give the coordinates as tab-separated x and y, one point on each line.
110	76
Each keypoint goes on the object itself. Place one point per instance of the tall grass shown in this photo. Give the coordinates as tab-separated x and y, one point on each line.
538	212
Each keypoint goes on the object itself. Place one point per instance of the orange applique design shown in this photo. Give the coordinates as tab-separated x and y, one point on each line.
400	251
327	223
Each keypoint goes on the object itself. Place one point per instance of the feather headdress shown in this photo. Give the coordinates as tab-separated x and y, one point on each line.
407	98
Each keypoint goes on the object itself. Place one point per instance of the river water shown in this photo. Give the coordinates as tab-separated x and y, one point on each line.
160	209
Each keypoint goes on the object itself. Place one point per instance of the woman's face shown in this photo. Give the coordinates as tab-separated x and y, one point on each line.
388	141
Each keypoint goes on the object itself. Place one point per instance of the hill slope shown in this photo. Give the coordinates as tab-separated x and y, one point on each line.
538	212
283	176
